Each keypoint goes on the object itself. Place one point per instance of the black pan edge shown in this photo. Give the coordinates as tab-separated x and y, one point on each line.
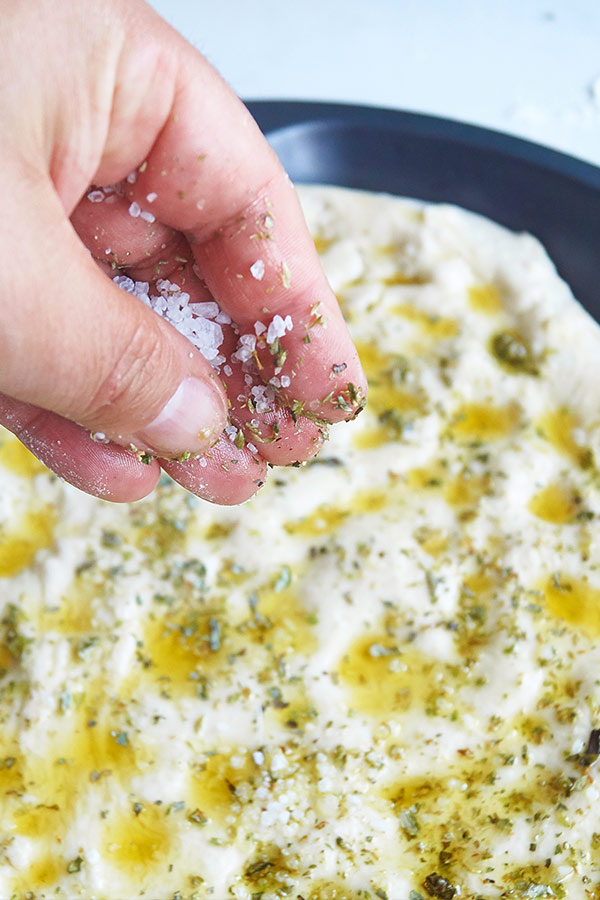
520	184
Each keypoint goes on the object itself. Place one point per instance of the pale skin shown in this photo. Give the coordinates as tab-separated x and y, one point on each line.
93	93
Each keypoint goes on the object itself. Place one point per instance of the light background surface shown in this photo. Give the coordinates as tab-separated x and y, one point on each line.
527	67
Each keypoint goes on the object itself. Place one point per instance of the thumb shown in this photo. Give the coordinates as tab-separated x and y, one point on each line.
74	343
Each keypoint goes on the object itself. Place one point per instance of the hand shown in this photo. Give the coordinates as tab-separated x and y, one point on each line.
91	93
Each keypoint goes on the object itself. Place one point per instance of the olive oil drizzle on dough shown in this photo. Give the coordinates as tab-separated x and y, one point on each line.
33	527
182	624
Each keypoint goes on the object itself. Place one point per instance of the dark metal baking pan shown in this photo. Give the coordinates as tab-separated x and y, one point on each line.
519	184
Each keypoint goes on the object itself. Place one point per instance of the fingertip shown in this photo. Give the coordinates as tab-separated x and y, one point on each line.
106	471
283	440
226	476
190	421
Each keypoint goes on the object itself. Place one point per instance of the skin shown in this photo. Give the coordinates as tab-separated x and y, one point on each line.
110	89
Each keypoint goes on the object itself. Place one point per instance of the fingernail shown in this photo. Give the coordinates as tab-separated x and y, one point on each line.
191	420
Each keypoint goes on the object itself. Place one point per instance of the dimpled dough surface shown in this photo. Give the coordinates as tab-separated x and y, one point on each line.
379	678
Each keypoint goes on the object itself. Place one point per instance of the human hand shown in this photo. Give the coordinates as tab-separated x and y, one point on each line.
106	90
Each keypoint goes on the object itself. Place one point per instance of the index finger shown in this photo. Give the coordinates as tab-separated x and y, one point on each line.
212	175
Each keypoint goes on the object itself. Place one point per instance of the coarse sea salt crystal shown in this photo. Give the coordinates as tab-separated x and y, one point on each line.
125	283
278	762
147	216
267	819
285	381
151	197
135	209
242	354
140	289
246	347
275	330
259	757
207	308
278	327
259	328
228	371
206	334
263	396
95	196
275	812
248	340
131	178
173	304
257	269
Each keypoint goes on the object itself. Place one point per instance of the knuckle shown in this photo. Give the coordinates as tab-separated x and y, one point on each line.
133	388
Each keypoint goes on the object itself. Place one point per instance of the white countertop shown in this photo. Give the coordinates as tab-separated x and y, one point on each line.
527	67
